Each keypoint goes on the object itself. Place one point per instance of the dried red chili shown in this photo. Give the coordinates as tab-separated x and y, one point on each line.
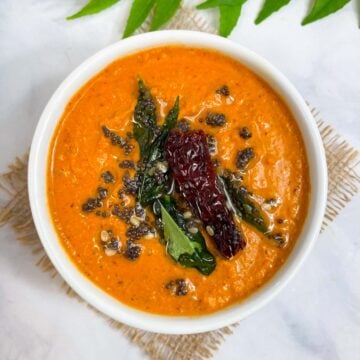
189	159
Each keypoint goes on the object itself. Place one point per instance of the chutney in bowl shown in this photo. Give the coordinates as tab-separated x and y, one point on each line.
180	181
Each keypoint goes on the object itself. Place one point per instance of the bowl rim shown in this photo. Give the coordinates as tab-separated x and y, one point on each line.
92	293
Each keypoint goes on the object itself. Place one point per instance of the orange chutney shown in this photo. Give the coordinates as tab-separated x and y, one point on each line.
80	153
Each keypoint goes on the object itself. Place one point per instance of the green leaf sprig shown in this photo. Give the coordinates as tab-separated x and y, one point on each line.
230	10
164	10
138	13
93	7
269	7
323	8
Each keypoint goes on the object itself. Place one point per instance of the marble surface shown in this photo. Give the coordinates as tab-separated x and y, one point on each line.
316	317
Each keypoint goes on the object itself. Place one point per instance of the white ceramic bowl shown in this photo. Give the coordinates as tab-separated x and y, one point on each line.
38	199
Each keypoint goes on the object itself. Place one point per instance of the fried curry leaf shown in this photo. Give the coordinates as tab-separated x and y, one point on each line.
170	121
144	125
269	7
230	11
187	249
151	189
93	7
323	8
243	206
139	11
164	11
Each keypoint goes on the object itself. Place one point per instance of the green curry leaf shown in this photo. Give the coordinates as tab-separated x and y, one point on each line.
140	10
230	11
164	11
93	7
187	249
269	7
323	8
178	242
229	16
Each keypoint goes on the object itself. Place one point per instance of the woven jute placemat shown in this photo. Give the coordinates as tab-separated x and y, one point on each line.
344	182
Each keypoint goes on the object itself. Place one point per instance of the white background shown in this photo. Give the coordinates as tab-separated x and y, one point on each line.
316	317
